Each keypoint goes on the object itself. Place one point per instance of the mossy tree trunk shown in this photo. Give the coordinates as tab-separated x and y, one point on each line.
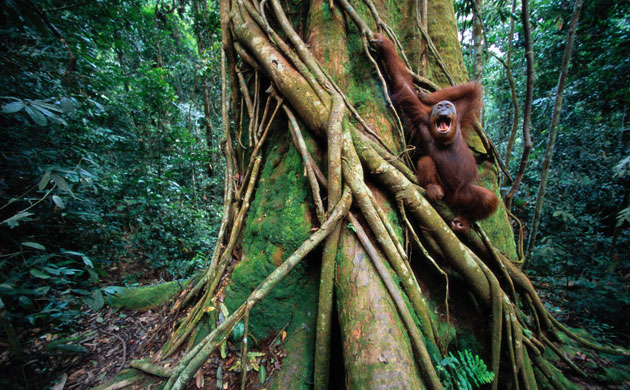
322	213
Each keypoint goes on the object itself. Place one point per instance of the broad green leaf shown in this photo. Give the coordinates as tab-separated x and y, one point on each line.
112	289
44	181
262	374
97	104
87	261
224	311
36	115
74	253
222	350
67	105
61	182
41	291
219	378
238	330
46	107
7	289
12	107
34	245
97	301
58	119
39	274
93	275
58	201
26	302
13	221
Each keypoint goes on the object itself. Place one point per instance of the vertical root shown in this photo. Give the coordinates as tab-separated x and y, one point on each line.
308	163
426	365
325	304
244	352
429	327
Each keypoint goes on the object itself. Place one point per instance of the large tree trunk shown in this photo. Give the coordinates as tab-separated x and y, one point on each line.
314	133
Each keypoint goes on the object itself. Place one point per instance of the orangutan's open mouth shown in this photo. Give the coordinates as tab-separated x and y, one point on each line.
443	124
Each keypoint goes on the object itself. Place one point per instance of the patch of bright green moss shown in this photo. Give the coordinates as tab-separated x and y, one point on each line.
443	32
495	225
615	375
128	375
326	11
277	224
146	297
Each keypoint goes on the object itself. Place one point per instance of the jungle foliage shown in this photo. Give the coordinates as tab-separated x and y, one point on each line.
583	243
109	174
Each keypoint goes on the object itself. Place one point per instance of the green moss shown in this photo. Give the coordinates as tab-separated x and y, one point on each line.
326	11
147	297
277	224
460	335
495	225
359	73
443	32
205	327
394	14
392	217
129	375
615	375
297	367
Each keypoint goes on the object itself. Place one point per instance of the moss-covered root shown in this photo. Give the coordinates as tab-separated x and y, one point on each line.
124	379
296	366
325	304
587	343
147	297
353	175
324	312
376	349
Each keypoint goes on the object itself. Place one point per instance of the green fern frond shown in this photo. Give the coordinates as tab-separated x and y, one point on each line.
466	371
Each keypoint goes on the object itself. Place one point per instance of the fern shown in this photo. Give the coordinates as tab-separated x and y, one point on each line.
466	371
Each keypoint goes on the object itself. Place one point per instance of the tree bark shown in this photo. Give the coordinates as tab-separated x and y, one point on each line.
477	39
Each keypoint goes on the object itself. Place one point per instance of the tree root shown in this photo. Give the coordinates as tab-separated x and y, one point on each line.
420	349
325	304
150	368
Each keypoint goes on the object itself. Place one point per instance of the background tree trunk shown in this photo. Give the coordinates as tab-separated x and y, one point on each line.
527	106
553	130
477	39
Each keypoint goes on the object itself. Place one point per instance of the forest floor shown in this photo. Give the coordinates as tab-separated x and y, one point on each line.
108	340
